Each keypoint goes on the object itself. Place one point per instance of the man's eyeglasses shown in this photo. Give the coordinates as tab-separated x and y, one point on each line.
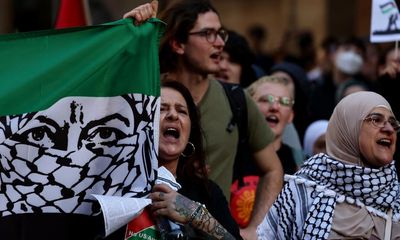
211	34
379	121
271	99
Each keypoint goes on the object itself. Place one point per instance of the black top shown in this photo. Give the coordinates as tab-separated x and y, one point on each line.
216	204
285	154
250	168
389	88
322	99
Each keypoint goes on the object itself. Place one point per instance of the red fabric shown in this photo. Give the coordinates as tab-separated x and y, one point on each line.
242	200
71	14
139	223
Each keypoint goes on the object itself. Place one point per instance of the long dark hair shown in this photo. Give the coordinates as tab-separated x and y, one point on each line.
193	167
180	18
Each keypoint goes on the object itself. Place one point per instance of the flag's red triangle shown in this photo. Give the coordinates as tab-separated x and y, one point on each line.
71	14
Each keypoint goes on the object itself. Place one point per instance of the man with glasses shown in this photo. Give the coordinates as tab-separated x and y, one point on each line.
212	34
190	51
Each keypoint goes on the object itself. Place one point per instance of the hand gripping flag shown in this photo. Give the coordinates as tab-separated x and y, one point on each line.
78	116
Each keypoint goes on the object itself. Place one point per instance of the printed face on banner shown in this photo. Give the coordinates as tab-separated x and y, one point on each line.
53	160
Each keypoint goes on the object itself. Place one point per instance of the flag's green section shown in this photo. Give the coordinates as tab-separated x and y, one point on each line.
38	68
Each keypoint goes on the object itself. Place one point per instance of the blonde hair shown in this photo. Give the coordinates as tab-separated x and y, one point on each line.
251	89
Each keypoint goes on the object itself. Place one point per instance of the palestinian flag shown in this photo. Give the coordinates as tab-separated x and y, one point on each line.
79	116
388	7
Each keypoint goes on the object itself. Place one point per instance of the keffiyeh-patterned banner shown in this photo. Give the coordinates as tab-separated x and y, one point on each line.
79	117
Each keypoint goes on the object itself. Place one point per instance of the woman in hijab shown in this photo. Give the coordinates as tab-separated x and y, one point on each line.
351	192
314	138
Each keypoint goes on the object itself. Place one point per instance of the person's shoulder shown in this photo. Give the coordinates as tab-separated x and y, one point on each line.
215	83
214	189
212	185
216	87
229	90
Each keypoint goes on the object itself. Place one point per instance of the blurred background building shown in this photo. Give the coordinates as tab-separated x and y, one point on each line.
277	27
278	17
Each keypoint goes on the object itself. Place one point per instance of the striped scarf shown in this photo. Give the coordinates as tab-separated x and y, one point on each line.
304	209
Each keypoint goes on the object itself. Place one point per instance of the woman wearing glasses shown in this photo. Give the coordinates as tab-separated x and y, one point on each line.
351	192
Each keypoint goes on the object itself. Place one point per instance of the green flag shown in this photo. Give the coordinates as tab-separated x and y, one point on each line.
79	116
104	60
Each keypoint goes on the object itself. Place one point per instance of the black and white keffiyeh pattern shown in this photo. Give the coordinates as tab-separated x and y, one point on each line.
304	209
52	161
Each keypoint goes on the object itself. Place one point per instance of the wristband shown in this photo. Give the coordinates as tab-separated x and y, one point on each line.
194	213
204	212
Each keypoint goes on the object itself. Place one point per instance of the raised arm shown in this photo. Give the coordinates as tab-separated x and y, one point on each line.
143	12
178	208
268	188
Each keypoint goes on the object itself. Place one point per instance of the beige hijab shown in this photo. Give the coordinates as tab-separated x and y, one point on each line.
343	145
345	124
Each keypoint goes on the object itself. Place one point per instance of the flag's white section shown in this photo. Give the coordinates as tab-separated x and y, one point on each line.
118	211
53	161
385	22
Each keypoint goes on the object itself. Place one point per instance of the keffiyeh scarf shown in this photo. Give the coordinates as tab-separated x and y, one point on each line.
305	207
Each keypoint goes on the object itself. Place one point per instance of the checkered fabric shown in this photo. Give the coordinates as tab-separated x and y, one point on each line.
304	209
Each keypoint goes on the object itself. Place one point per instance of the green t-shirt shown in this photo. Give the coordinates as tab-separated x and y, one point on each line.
220	145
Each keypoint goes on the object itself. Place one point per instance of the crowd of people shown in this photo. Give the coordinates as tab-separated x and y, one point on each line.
326	127
314	152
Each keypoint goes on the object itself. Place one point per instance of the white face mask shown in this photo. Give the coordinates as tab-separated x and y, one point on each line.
348	62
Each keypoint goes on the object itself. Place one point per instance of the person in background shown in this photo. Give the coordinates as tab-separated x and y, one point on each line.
389	72
352	191
237	60
314	138
199	206
298	82
190	51
388	85
370	66
307	53
325	59
275	99
258	36
348	61
350	86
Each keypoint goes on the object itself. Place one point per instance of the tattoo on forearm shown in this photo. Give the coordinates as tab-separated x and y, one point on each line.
207	223
203	220
184	206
